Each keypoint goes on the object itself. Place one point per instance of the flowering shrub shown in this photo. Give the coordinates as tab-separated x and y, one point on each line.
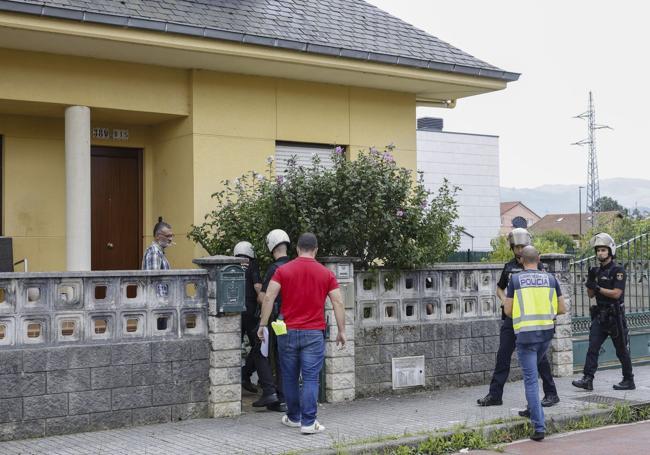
367	208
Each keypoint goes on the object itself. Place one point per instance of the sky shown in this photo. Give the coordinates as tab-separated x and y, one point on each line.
563	49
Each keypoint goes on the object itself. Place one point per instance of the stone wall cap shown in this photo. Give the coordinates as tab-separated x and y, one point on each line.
555	256
446	267
219	260
103	274
338	259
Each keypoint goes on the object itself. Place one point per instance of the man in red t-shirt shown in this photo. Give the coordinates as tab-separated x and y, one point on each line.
304	284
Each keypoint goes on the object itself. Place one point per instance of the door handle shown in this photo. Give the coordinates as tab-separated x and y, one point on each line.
109	245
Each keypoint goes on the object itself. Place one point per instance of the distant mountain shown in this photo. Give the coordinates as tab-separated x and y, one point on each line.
547	199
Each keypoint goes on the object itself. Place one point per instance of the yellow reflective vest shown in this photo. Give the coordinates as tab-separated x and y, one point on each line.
534	305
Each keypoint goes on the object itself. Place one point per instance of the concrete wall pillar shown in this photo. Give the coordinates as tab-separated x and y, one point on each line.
224	332
561	353
77	176
340	382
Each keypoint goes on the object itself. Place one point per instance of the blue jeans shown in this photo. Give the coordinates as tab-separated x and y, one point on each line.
530	355
301	353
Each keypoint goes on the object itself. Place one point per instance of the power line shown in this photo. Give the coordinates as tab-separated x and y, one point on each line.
593	183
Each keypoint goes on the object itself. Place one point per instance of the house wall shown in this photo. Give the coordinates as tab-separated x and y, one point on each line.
196	127
470	162
518	210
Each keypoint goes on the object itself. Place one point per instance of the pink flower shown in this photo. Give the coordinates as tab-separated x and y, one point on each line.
388	157
338	150
400	213
279	179
374	150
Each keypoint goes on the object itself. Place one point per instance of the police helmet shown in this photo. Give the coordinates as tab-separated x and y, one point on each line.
604	239
275	238
519	236
244	249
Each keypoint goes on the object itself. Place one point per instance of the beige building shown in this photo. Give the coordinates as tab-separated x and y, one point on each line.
513	209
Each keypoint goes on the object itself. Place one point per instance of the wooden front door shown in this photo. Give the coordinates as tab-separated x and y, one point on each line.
116	182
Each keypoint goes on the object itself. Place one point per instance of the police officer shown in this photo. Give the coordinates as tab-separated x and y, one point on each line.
607	284
250	320
278	243
518	238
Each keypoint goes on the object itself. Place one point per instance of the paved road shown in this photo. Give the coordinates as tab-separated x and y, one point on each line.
256	432
632	439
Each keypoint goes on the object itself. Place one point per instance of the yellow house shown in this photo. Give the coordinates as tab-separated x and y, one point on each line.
115	113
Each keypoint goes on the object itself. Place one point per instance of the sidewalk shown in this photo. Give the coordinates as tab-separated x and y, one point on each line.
358	421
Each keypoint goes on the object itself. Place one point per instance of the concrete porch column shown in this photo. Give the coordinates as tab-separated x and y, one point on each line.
77	188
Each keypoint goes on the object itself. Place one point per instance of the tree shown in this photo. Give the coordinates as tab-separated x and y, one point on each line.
367	208
607	204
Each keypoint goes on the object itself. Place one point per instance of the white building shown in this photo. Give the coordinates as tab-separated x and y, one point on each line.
471	162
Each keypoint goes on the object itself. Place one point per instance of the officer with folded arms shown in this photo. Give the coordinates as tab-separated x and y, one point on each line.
607	284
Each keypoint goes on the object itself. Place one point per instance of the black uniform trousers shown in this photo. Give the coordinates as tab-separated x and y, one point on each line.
255	361
504	356
597	335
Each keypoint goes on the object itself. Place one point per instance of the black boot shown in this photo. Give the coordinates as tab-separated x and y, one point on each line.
625	384
489	400
586	383
266	400
550	400
537	436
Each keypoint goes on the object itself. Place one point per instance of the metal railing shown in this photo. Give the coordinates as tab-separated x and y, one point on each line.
634	256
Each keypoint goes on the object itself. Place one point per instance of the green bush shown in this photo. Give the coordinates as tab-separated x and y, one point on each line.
367	208
501	251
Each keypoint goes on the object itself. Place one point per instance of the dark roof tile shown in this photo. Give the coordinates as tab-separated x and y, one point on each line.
323	26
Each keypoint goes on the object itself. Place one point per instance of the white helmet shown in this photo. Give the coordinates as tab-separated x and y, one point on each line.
275	238
244	249
604	239
519	236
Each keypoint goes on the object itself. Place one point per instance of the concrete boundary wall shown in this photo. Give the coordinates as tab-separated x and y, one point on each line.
450	315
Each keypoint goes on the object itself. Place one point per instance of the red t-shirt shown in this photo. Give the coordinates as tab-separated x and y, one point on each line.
304	287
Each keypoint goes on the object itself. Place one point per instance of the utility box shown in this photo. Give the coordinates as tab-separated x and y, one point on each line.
231	289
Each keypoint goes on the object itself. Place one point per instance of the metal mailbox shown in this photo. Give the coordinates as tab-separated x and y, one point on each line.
231	289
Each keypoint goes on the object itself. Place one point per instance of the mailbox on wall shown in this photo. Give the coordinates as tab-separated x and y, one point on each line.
231	289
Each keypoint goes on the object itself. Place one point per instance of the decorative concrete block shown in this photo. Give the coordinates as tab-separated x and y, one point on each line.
482	362
469	346
459	329
152	373
226	358
339	381
165	351
192	370
435	367
469	379
111	377
406	333
110	420
229	409
225	376
131	397
367	355
11	409
68	380
171	393
487	327
22	430
340	365
200	349
225	341
88	356
148	416
447	348
446	381
461	364
67	425
45	359
44	406
434	331
224	324
491	344
191	411
21	385
90	401
337	396
11	362
200	390
130	353
225	393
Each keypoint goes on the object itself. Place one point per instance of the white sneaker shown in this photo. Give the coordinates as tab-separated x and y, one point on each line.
288	422
313	428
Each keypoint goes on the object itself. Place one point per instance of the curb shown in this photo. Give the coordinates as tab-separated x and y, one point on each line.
558	422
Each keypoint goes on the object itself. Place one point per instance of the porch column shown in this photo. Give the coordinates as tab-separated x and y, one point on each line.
77	187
